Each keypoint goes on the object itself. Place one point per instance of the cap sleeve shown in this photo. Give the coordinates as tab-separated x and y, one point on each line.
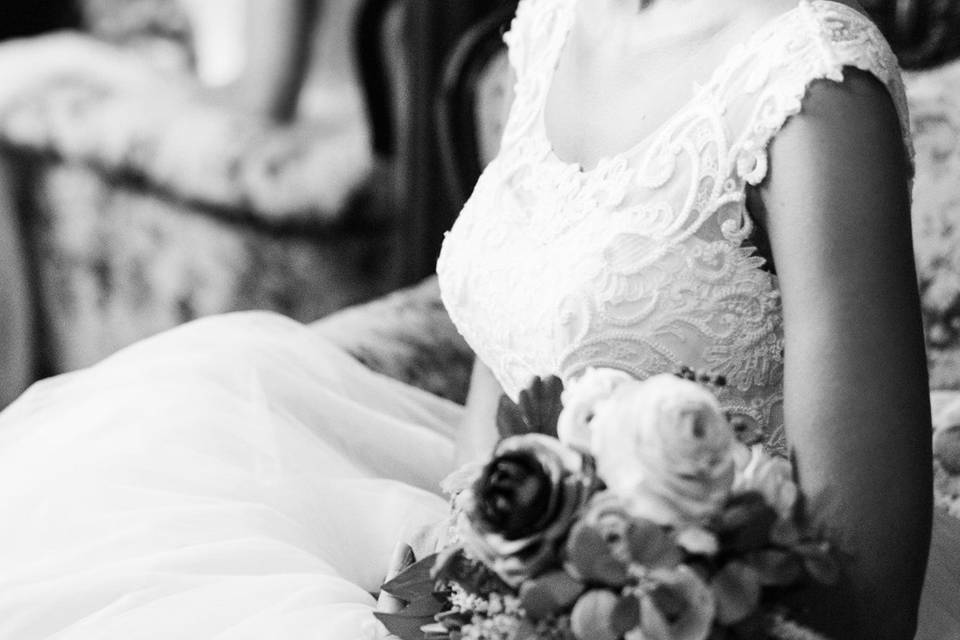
818	42
534	32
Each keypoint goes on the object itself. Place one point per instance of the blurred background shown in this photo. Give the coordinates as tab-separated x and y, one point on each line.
163	160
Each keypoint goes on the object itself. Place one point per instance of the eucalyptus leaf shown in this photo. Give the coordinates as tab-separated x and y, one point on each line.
550	594
737	590
428	605
776	568
536	411
473	577
404	627
414	582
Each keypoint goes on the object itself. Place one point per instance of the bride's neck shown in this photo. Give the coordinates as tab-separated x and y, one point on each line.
655	23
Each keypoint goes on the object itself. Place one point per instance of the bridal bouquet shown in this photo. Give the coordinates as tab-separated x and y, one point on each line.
646	519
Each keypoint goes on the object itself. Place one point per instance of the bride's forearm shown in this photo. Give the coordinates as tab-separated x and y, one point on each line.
477	433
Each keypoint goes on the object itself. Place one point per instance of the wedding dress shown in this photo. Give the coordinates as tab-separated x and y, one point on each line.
240	478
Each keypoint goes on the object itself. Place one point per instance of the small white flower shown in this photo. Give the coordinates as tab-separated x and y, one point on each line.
581	397
772	477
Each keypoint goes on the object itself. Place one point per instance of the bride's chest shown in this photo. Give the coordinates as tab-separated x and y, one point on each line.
549	268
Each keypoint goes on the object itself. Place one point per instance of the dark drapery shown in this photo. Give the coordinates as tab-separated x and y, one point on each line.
21	18
433	27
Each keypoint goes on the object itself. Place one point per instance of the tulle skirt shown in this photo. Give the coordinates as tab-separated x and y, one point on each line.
236	478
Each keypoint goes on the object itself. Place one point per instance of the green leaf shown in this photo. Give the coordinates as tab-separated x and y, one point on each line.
429	606
591	616
626	615
454	619
668	601
776	568
550	594
652	547
510	420
785	533
527	631
737	590
745	523
472	576
822	567
541	404
750	628
537	410
414	582
592	560
404	627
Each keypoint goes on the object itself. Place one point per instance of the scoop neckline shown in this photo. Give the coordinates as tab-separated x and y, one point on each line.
733	54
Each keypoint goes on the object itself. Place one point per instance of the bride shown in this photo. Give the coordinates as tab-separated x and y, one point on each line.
238	477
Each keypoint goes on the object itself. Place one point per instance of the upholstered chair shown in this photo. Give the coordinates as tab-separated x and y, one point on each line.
146	203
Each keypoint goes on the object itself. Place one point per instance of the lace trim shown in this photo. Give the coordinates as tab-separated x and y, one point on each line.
843	37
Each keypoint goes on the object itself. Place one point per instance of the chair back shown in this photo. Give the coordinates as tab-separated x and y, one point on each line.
476	90
474	98
924	33
375	48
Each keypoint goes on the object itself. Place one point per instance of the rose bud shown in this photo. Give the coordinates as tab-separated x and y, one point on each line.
665	447
523	504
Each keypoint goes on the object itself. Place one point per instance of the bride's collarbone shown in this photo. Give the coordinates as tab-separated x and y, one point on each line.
602	100
589	115
607	97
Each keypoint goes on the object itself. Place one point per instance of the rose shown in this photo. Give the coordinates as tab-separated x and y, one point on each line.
771	477
666	449
522	505
580	400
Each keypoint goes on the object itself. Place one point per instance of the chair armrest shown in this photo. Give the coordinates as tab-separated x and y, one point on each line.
408	336
73	97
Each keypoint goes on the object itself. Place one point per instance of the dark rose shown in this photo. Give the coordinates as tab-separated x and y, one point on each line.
515	496
523	503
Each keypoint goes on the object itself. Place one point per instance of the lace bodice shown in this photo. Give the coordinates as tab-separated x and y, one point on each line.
640	263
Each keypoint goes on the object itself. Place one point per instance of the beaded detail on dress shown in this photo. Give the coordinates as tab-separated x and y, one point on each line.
640	263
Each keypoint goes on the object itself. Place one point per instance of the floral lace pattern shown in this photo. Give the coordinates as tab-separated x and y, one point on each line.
640	263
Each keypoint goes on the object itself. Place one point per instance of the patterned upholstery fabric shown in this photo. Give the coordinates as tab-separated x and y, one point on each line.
407	336
935	115
148	205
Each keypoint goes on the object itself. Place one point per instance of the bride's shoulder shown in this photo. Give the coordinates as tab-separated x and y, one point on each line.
818	39
818	60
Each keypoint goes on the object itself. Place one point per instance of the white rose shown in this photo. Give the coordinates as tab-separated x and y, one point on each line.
666	448
770	476
580	400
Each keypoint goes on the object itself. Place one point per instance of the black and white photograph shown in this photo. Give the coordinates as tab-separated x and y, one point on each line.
480	320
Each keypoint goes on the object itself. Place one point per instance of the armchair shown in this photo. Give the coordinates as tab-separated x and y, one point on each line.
144	203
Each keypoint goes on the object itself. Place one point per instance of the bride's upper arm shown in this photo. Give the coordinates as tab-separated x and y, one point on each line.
836	210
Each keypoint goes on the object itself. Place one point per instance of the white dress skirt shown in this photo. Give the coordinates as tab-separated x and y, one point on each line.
235	478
